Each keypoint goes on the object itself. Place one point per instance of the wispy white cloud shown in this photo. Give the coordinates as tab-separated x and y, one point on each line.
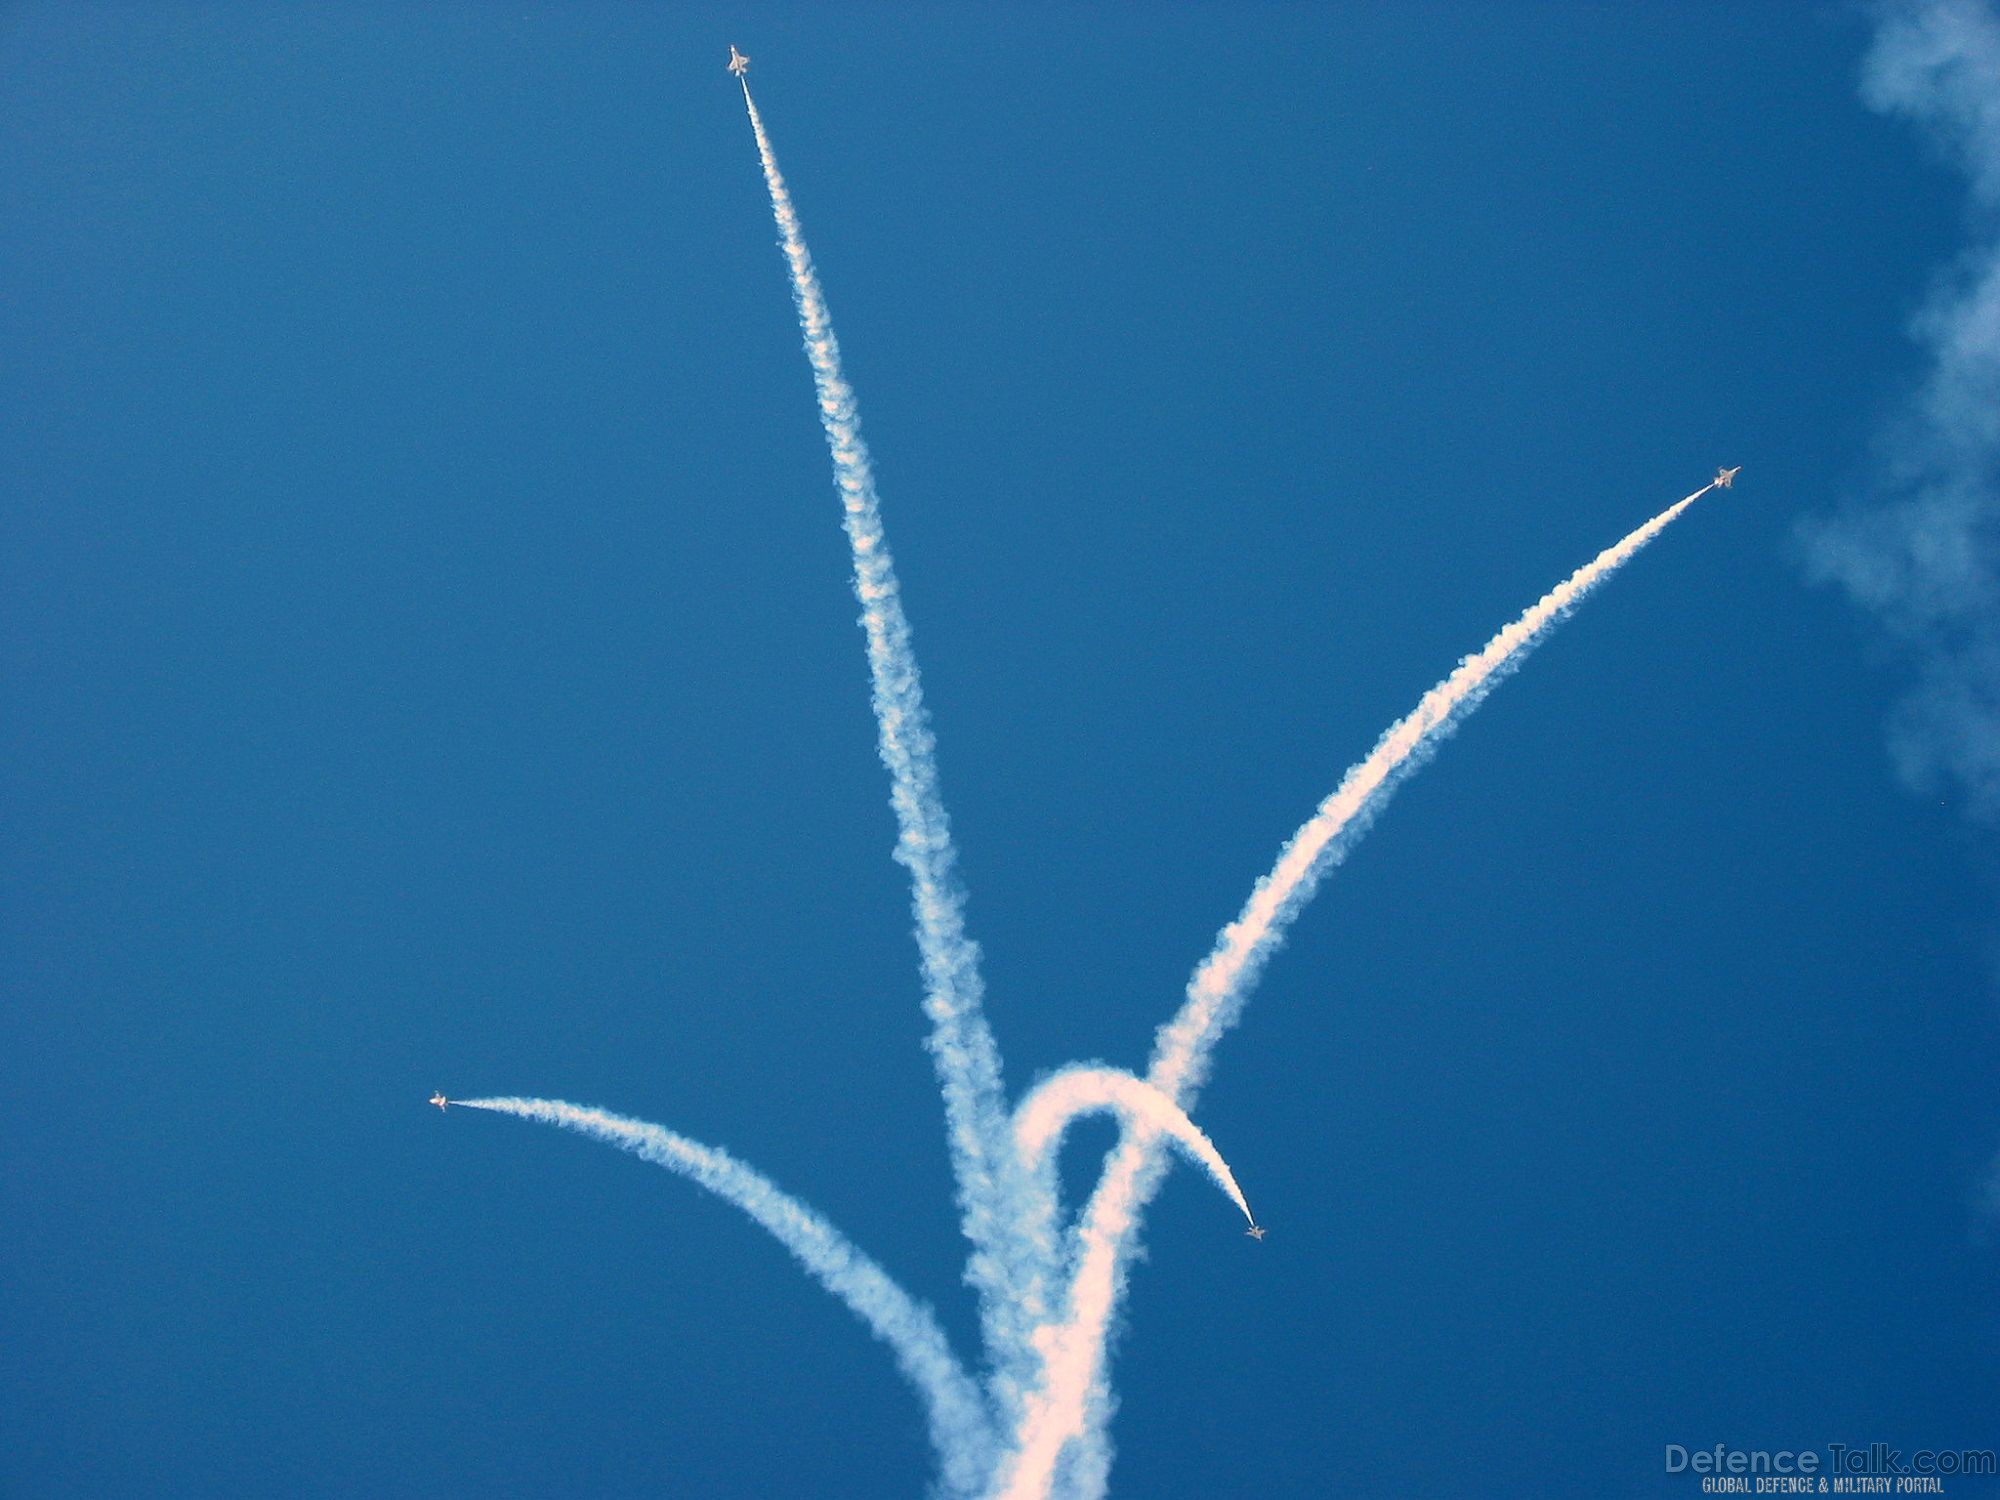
1923	551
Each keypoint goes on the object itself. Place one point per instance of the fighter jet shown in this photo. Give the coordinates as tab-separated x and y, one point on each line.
1724	478
1256	1231
440	1101
738	63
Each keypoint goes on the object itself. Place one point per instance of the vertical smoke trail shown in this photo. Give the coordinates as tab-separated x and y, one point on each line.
959	1427
1045	1114
990	1181
1063	1409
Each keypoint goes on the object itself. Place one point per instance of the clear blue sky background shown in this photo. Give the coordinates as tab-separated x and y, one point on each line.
429	663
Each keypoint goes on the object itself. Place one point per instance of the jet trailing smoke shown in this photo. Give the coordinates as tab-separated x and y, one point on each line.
1033	1421
960	1429
1067	1096
1069	1404
967	1058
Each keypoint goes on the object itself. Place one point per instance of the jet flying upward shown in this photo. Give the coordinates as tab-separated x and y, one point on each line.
440	1101
738	63
1724	478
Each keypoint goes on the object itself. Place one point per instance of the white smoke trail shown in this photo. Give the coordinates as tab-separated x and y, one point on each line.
960	1428
1042	1117
991	1185
1217	990
1066	1406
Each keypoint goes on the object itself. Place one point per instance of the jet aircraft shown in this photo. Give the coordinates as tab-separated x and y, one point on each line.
1256	1231
440	1101
1724	478
738	63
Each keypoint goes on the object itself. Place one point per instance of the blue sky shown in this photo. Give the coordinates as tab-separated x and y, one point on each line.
430	664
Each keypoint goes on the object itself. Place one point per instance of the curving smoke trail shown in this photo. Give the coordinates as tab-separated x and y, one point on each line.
991	1184
1067	1407
1040	1424
1046	1113
960	1428
1217	991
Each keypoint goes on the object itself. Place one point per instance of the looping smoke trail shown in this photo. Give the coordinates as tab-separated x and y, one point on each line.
1046	1113
960	1428
967	1059
1068	1404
